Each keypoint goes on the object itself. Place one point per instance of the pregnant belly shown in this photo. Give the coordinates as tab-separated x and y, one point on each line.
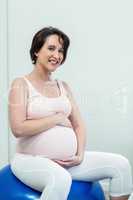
55	143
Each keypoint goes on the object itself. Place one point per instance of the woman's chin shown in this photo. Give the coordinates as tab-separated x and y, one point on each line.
53	68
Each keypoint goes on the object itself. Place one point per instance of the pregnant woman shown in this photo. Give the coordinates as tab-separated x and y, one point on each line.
50	132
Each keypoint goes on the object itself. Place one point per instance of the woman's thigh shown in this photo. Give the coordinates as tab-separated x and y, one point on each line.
97	166
36	171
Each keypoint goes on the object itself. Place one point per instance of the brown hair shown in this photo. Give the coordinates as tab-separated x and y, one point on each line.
40	38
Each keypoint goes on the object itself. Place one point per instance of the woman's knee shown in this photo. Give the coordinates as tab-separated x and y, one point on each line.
121	176
123	173
123	164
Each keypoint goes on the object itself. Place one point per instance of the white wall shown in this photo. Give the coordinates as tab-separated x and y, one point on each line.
99	67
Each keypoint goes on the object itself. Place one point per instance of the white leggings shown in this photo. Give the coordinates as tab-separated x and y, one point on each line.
54	181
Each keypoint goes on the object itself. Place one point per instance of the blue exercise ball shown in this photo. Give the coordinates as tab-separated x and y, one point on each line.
11	188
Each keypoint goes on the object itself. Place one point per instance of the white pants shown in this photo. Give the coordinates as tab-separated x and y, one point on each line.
54	181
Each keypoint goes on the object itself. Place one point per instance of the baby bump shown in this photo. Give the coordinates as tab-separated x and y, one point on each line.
55	143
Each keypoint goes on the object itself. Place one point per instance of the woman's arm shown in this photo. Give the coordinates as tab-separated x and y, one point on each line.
77	122
21	126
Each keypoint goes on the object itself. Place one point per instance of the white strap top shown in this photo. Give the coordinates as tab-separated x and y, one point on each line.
40	106
33	91
55	143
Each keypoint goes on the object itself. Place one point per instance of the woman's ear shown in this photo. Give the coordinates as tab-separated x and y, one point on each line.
36	54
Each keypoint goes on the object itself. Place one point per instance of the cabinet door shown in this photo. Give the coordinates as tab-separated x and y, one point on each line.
3	85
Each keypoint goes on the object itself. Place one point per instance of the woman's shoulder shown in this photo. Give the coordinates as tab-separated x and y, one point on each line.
66	87
18	82
63	83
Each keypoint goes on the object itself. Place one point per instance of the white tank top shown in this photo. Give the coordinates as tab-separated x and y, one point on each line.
55	143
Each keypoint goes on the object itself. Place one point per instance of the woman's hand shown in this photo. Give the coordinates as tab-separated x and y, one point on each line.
65	123
75	160
63	120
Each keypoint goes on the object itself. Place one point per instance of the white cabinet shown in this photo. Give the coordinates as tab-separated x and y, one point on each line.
3	84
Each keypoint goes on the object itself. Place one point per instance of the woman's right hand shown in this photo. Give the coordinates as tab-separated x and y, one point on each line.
62	120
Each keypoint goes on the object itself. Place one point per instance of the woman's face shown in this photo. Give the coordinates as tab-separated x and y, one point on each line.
50	55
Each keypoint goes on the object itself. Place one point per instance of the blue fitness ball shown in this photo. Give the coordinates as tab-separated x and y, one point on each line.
11	188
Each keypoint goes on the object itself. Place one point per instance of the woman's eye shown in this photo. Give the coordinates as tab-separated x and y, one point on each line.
51	48
61	50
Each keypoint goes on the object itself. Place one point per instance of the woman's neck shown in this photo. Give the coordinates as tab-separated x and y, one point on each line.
41	74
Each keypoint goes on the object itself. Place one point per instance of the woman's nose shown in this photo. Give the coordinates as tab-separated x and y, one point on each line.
56	55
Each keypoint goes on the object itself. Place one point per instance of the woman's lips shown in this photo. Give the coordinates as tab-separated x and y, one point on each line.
53	61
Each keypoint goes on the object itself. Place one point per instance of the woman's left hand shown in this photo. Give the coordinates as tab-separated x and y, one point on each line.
75	160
